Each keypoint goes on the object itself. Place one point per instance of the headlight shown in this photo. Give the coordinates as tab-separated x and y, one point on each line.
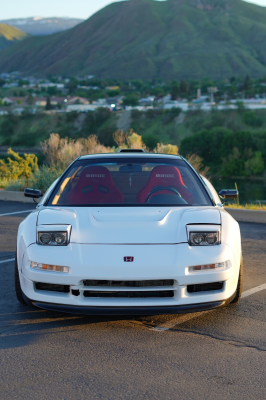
207	238
53	235
52	238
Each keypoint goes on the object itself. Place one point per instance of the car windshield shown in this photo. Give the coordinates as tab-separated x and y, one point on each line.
125	181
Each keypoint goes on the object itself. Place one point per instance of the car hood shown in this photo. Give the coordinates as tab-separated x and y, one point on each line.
134	225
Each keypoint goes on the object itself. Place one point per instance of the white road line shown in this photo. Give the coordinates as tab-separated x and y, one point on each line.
252	291
5	261
17	212
187	317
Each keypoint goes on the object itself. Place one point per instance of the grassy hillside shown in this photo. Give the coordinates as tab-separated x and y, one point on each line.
9	35
147	39
230	142
29	130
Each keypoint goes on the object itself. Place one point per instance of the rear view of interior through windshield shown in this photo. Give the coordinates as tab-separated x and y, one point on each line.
130	182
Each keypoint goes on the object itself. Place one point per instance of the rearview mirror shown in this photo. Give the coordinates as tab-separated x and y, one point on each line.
228	194
33	193
130	168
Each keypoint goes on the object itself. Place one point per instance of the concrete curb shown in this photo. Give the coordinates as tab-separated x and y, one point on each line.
6	195
255	216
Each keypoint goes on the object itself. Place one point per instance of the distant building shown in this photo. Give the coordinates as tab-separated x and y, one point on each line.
112	88
88	87
10	85
176	104
51	84
147	100
85	107
77	100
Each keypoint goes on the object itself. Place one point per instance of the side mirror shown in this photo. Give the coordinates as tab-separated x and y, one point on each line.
228	194
33	193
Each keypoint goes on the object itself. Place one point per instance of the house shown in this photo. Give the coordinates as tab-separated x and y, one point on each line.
77	100
176	104
42	101
14	100
88	87
147	100
51	84
7	101
85	107
112	88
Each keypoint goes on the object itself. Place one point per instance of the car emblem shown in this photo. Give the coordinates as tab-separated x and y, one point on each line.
128	259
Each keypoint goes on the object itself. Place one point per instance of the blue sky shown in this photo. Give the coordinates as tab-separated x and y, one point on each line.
60	8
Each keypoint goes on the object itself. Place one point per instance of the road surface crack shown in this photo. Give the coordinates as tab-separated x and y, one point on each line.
235	343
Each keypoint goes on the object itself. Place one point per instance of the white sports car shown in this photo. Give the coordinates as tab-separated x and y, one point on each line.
129	233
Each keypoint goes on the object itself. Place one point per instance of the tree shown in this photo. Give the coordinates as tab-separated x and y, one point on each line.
175	91
52	90
255	165
131	100
72	86
30	100
150	141
48	104
246	83
183	88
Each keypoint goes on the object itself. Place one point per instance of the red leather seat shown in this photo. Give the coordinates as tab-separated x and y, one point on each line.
95	186
164	175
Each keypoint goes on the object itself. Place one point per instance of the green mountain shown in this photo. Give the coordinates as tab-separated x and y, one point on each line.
9	35
149	39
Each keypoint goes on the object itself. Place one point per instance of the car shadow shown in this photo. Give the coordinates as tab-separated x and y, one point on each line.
27	324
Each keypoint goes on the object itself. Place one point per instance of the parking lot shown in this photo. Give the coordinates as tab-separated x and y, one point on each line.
219	354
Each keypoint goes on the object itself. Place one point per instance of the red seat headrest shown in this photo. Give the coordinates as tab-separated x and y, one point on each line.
95	186
164	175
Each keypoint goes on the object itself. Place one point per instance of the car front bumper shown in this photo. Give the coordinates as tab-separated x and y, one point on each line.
106	262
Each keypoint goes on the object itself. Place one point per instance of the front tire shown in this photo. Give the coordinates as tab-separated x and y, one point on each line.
239	285
18	289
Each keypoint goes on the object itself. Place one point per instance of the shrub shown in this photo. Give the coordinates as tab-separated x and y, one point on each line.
60	152
255	165
128	140
41	179
166	149
197	162
19	167
119	137
44	177
134	141
250	118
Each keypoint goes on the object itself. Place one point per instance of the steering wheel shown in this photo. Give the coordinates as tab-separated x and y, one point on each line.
159	189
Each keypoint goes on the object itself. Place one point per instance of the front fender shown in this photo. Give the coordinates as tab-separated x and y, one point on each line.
231	234
26	235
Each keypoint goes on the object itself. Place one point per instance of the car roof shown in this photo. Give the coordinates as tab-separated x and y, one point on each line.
129	154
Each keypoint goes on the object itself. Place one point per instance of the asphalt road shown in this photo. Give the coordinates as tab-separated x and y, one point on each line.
219	354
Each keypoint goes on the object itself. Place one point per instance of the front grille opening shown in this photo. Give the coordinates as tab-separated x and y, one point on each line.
205	287
150	283
129	294
50	287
